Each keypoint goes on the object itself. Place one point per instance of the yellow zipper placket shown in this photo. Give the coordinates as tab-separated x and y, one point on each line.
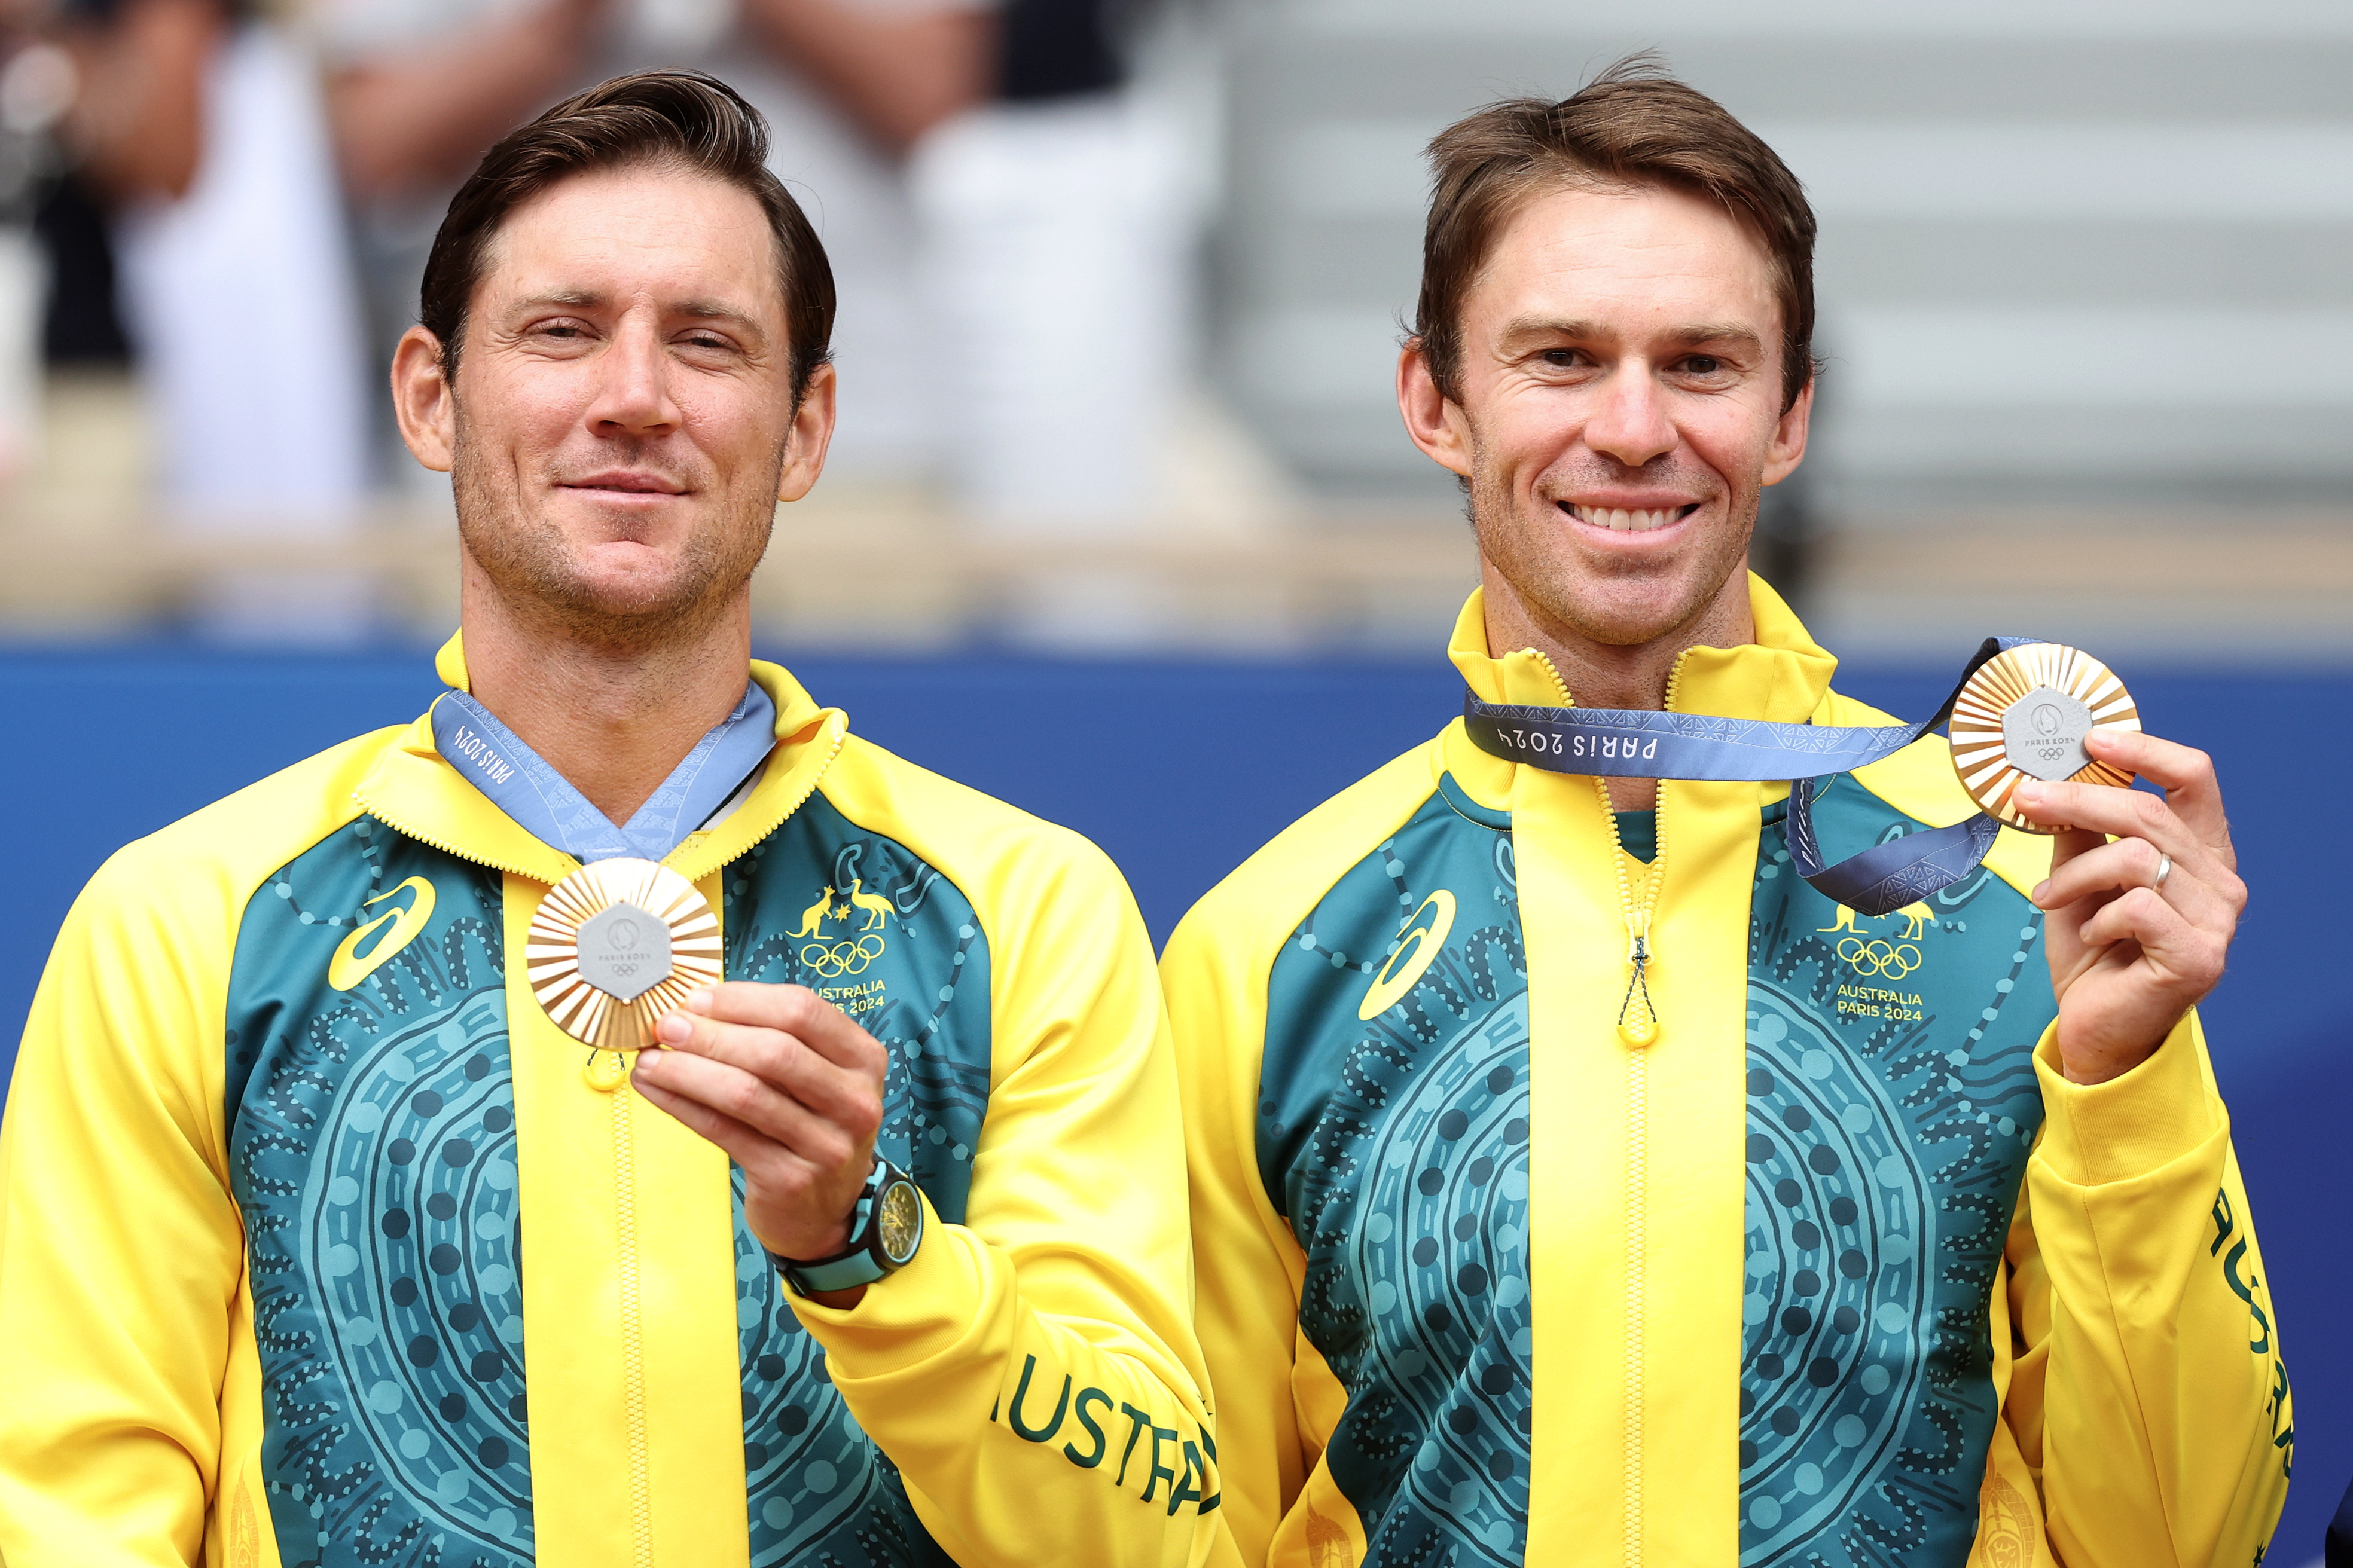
633	1344
607	1080
1637	1027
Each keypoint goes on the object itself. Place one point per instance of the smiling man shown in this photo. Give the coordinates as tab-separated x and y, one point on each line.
338	1222
1623	1199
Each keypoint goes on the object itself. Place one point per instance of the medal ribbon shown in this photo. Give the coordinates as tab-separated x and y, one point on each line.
1635	742
519	781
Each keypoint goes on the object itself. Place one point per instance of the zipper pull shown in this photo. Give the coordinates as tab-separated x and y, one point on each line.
605	1071
1638	1020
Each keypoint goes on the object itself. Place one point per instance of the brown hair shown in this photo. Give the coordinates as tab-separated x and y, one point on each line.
683	119
1631	127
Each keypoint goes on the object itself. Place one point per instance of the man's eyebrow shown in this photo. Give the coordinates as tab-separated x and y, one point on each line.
714	311
578	299
1528	327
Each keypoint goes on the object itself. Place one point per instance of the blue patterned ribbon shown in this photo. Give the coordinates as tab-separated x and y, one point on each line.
1635	742
519	781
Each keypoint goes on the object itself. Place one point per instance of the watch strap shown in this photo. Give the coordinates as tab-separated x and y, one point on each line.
862	1262
846	1272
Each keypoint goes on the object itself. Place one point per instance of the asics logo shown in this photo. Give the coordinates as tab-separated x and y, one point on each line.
350	966
1418	946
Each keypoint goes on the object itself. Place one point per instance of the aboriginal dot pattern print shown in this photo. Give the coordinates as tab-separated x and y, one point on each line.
372	1156
1892	1104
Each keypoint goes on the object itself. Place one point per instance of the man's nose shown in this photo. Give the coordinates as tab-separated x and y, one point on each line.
633	395
1628	420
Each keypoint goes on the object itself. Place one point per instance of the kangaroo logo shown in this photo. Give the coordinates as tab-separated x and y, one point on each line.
1842	920
1917	918
816	914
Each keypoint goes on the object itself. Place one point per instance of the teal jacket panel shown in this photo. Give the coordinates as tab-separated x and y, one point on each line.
1893	1102
374	1159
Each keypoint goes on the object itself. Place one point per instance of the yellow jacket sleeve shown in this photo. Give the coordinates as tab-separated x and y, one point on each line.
120	1252
1033	1372
2146	1397
1248	1267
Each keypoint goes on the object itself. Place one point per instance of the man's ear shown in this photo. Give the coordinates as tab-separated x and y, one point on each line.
1788	447
423	400
1431	418
811	433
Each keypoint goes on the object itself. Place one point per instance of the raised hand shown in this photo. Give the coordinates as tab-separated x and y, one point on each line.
792	1089
2136	929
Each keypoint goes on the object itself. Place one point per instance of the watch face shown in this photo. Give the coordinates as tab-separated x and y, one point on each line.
902	1224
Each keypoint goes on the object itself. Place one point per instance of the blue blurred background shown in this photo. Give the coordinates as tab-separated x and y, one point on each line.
1120	290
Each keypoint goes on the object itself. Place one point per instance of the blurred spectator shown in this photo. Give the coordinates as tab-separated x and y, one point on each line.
199	126
1055	249
418	88
33	88
1001	216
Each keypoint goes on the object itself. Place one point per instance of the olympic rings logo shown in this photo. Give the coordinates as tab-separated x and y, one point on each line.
1876	957
841	957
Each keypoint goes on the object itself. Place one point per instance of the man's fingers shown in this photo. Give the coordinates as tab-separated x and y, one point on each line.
2188	956
783	1060
797	1011
742	1143
750	1102
2116	813
2127	863
2184	773
768	1162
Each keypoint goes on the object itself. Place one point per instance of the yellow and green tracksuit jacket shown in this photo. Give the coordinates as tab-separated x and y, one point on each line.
321	1244
1841	1271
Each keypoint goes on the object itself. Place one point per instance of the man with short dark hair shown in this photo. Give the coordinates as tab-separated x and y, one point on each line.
620	1117
1653	1166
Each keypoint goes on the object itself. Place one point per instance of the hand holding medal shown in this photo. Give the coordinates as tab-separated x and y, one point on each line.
791	1088
2136	929
625	956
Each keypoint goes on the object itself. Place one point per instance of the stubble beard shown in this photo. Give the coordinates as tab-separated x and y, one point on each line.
1608	609
533	569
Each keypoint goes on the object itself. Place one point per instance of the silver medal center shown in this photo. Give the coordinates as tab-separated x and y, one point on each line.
624	951
2044	733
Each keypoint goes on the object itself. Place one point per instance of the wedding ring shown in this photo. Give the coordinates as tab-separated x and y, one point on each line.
2164	870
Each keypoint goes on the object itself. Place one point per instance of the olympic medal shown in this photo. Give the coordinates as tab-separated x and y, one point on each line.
2026	714
614	946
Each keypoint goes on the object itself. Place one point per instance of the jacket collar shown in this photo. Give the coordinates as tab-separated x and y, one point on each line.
415	790
1783	676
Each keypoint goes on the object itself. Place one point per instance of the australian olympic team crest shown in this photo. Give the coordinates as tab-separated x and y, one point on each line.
844	929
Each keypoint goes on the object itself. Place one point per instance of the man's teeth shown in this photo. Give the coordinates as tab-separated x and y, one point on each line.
1625	522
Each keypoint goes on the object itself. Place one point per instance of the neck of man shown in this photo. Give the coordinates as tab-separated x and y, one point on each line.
614	720
1615	675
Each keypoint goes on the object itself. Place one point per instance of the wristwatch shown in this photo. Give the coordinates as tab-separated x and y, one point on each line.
885	1228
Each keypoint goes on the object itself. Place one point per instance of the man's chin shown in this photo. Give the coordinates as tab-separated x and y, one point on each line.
1629	610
